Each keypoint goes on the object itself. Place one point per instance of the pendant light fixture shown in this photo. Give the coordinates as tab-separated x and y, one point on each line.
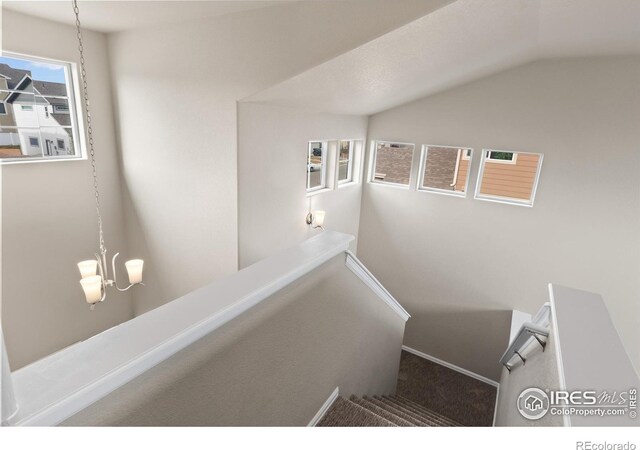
95	272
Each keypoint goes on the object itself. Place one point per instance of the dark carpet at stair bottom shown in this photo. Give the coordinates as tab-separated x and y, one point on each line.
452	394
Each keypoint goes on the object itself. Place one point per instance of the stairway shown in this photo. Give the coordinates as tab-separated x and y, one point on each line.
385	411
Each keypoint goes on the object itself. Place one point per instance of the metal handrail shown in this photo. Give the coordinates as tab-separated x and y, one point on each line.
527	331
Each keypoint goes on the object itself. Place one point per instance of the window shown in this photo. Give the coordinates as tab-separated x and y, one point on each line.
501	157
345	162
38	99
316	166
445	170
392	163
509	177
3	109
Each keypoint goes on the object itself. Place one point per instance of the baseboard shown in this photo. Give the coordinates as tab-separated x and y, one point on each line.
451	366
324	408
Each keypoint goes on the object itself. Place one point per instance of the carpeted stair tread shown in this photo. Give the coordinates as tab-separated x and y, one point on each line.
427	418
442	421
391	417
425	410
407	415
345	413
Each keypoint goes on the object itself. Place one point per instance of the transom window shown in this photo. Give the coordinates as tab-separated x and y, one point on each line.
316	166
39	120
445	170
392	163
509	177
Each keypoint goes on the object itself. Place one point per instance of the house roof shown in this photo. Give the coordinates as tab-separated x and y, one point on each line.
13	76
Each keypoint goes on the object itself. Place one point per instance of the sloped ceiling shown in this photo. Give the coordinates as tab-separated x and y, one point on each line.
462	41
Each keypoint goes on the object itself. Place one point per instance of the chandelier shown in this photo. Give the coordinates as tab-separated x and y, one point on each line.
95	272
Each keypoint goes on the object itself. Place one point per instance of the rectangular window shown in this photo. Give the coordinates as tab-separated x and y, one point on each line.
345	162
39	99
509	177
316	166
3	109
61	109
392	163
445	170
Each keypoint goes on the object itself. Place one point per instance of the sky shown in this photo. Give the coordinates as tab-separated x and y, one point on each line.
39	70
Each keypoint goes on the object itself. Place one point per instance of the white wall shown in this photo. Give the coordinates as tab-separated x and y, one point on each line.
272	158
176	88
459	265
48	214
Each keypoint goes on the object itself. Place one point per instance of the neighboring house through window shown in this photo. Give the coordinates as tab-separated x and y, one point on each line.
38	119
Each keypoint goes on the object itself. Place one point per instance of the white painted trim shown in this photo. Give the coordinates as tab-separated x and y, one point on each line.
495	406
56	387
562	384
355	266
325	407
451	366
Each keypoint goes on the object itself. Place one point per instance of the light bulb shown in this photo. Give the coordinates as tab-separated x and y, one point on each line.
92	287
134	269
88	268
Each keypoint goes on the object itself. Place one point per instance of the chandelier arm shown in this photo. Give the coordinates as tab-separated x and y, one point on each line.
85	91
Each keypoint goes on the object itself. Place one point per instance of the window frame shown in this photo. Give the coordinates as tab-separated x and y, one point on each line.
323	178
508	200
373	162
74	99
350	166
424	154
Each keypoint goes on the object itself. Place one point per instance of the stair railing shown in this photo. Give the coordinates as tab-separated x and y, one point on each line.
536	330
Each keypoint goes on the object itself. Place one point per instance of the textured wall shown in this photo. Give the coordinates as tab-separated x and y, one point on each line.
48	214
458	265
273	366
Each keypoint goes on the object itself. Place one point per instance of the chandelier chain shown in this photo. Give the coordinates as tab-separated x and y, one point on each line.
92	153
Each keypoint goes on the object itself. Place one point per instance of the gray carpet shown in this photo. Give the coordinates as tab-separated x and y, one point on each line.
428	395
446	392
387	411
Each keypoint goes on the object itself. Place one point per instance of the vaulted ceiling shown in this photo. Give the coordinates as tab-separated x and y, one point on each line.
457	43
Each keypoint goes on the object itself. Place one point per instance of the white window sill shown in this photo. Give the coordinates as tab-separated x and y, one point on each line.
443	192
11	162
318	191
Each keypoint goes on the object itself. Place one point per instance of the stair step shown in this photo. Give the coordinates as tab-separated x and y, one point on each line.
429	419
407	415
345	413
390	416
423	409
